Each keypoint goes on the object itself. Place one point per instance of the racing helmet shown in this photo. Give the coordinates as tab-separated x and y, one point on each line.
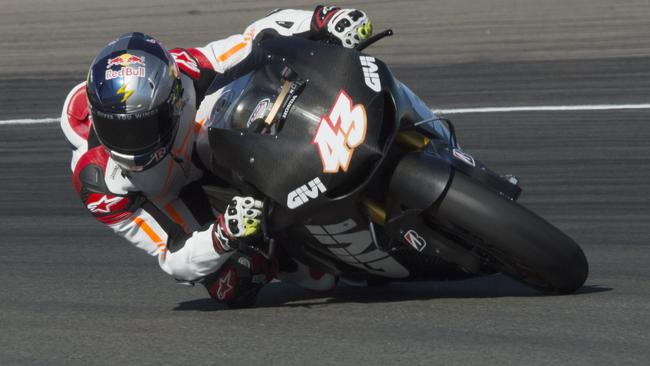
135	98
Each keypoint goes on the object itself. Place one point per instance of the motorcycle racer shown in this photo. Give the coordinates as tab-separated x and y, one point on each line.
138	164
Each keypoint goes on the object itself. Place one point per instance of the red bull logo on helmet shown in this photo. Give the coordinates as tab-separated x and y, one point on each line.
125	60
131	66
138	72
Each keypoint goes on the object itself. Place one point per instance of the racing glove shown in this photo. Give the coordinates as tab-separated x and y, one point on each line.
347	26
237	224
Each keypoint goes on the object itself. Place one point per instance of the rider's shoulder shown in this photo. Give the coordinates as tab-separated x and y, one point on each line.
92	177
191	61
75	121
90	171
96	171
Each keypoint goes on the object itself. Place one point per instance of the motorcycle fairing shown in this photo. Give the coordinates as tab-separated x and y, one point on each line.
277	164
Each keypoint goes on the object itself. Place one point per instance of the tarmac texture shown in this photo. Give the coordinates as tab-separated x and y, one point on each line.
74	294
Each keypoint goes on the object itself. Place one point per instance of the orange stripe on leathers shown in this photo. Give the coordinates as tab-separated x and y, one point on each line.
178	152
181	151
198	125
176	217
170	167
226	55
150	233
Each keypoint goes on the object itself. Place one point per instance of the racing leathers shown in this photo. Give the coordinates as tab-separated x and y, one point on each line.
164	209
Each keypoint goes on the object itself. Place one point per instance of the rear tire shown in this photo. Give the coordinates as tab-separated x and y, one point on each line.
521	244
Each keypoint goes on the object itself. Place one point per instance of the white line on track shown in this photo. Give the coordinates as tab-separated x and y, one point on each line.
543	108
29	121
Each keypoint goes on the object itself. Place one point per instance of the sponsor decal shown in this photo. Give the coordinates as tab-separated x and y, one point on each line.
304	193
465	157
116	169
160	154
294	91
370	74
339	133
357	248
259	111
186	62
126	60
126	93
104	204
289	105
131	66
125	72
415	240
226	285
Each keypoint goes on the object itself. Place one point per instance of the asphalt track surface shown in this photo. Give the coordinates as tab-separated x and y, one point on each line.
74	294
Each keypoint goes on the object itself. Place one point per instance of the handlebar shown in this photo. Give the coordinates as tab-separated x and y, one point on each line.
363	45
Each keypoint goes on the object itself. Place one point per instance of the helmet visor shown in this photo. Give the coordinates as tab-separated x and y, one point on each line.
137	133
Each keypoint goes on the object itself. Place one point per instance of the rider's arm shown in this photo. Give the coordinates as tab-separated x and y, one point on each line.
227	58
185	256
234	56
182	254
224	54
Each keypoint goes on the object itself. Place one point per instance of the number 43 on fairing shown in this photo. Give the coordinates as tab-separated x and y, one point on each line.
340	133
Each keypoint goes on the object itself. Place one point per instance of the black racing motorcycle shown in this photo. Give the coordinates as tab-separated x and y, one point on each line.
360	182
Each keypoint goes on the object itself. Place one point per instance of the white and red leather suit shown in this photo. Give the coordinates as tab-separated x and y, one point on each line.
164	210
